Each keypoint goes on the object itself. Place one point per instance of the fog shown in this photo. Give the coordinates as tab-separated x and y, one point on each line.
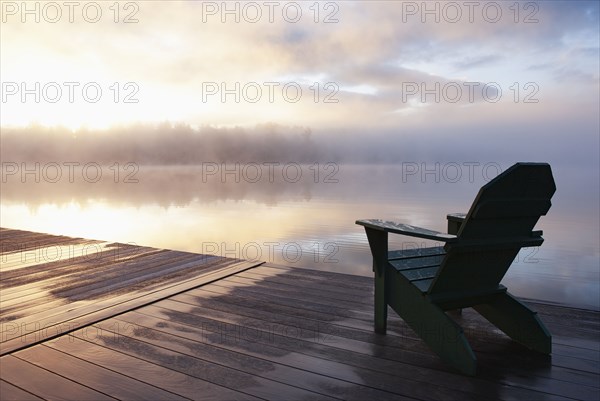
164	144
564	142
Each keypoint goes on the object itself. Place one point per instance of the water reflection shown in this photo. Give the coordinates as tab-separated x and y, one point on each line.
303	215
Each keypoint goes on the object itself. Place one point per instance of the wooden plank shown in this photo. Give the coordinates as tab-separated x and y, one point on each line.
324	285
282	300
285	359
462	272
359	307
256	361
319	342
583	344
406	229
84	277
22	303
40	253
423	273
44	265
546	379
169	380
320	299
481	333
36	240
507	354
472	321
341	334
312	321
93	376
19	280
8	392
215	373
585	328
307	298
292	309
56	279
19	236
74	260
564	314
336	336
73	309
507	207
416	252
358	282
345	301
423	285
20	253
101	288
417	263
26	236
93	312
577	352
43	383
149	275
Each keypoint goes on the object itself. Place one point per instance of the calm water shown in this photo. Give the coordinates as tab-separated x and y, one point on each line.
304	216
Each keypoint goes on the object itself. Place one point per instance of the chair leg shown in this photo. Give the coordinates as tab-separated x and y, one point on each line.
378	242
444	337
381	305
430	322
518	322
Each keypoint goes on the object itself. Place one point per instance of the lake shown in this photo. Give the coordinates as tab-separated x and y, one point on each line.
303	215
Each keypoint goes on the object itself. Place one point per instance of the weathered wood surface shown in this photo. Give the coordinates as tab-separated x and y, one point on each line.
53	284
279	333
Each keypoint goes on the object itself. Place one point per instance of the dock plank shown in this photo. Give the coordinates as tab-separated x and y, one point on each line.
42	299
93	376
323	305
44	383
67	317
259	346
215	373
398	348
181	384
257	361
14	393
226	327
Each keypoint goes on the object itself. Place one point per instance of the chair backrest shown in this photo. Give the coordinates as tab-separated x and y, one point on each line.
498	224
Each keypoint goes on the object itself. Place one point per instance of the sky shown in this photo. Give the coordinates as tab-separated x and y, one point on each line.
503	70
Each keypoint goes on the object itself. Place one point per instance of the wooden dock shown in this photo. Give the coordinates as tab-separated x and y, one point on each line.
90	320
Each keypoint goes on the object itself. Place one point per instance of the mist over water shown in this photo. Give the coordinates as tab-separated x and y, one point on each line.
558	142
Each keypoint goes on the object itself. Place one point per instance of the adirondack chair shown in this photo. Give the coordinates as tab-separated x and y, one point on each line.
422	284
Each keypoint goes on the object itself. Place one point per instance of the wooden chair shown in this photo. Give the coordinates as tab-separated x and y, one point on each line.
421	284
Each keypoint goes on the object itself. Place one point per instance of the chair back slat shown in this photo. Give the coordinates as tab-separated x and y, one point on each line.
499	222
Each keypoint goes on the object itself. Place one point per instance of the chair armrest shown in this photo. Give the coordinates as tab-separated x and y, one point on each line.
405	229
456	216
455	220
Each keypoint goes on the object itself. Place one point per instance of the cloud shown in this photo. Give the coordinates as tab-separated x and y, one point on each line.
477	61
176	48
